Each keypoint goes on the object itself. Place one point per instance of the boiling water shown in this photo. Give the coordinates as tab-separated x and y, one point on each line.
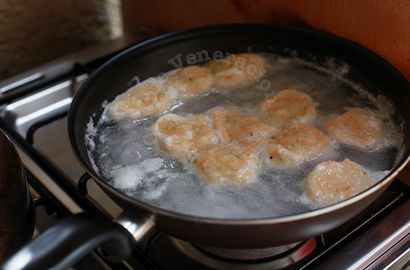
126	155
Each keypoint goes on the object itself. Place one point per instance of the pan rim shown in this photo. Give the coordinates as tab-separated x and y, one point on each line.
155	210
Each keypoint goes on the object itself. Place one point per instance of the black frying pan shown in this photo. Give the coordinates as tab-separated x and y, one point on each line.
151	58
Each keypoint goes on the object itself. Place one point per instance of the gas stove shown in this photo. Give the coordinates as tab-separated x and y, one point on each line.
33	111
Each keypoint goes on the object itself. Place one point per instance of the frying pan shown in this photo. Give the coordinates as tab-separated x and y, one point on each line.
153	57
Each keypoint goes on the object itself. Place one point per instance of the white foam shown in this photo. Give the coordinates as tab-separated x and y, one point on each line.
127	177
152	164
90	133
89	137
143	174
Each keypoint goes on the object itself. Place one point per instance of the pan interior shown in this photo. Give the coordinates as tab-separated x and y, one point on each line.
126	156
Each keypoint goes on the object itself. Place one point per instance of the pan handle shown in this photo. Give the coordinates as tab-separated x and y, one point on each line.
63	245
140	226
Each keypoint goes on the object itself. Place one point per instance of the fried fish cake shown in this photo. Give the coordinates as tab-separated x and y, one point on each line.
190	81
289	107
331	181
145	99
183	137
238	70
295	145
244	129
357	127
228	163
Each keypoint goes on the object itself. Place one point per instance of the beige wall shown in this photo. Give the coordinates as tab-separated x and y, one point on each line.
35	31
381	25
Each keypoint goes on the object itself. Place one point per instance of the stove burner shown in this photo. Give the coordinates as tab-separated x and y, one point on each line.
246	254
267	258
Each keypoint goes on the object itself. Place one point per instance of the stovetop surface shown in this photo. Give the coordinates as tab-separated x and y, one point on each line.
36	122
